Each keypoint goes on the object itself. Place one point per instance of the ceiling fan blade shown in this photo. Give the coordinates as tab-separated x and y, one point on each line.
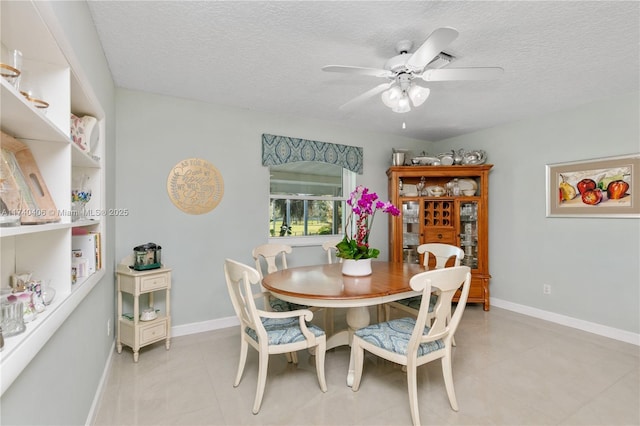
434	44
449	74
375	72
365	96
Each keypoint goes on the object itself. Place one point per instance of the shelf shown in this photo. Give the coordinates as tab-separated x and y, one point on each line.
22	121
45	250
85	222
81	158
19	350
159	319
32	229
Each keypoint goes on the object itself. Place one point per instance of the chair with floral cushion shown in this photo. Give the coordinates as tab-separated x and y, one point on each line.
269	332
274	257
412	342
442	253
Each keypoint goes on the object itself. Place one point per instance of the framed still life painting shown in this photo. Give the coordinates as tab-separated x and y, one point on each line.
603	187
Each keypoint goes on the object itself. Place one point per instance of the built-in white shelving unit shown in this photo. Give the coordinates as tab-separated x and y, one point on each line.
45	249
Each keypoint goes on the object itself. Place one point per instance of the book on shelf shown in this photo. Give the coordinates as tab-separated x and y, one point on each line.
98	250
86	252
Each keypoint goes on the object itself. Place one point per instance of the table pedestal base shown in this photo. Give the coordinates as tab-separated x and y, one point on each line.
357	317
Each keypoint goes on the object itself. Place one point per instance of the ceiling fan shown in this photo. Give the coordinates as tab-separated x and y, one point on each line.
405	70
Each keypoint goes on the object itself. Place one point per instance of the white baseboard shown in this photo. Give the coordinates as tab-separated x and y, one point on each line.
93	411
591	327
199	327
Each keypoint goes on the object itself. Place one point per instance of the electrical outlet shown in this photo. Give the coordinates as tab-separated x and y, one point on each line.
109	327
546	289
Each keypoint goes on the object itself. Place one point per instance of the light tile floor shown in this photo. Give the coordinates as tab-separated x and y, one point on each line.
509	369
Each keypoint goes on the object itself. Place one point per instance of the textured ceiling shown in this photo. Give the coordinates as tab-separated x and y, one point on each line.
267	56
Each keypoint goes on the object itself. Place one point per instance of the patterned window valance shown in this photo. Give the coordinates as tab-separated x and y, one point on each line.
282	149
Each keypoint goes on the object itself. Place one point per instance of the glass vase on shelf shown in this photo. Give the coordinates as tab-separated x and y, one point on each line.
421	186
80	196
455	188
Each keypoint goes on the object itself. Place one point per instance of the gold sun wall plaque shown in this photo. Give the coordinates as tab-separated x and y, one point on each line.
195	186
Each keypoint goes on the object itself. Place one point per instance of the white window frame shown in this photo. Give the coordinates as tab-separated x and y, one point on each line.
348	186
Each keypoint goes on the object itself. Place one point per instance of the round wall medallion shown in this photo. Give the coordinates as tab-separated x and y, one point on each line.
195	186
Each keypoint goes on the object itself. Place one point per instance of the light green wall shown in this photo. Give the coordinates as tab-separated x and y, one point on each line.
591	264
156	132
58	386
581	258
526	248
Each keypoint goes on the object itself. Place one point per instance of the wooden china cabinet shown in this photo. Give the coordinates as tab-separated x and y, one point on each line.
457	216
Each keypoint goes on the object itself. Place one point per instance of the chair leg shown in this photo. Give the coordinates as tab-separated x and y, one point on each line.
387	312
453	340
447	372
263	365
412	384
292	357
243	359
321	349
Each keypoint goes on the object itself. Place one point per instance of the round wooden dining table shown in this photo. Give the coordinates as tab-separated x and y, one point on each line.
326	286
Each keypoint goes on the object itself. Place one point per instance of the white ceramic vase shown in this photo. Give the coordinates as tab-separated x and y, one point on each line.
356	268
85	133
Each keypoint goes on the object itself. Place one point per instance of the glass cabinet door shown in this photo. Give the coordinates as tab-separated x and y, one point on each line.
410	231
469	233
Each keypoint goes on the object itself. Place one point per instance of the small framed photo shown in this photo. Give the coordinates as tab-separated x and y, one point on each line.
602	187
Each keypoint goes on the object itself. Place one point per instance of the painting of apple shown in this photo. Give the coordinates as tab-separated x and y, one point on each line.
602	187
586	185
617	189
592	197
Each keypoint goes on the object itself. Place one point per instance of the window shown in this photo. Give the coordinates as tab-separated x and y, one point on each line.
307	199
309	185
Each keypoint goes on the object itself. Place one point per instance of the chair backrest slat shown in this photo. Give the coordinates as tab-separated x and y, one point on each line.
239	279
330	247
271	254
442	253
446	281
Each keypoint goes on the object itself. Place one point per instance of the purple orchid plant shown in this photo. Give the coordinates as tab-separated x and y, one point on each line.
364	205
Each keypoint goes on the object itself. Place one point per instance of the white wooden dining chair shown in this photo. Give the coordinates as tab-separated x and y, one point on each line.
412	342
269	332
442	253
273	257
330	248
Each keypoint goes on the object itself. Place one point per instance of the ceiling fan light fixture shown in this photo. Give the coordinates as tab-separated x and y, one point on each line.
391	97
403	105
428	62
418	94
